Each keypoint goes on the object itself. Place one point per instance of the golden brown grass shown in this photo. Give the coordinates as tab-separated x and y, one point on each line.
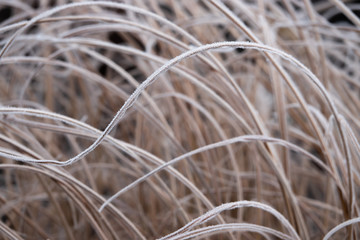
170	119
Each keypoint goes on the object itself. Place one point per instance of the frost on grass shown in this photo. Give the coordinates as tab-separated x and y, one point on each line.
176	120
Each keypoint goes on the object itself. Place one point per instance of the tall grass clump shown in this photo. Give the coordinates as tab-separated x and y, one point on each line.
201	119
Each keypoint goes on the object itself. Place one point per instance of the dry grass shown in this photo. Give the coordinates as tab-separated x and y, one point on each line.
179	119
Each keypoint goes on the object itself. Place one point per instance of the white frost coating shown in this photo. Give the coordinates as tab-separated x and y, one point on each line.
234	227
340	226
229	206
